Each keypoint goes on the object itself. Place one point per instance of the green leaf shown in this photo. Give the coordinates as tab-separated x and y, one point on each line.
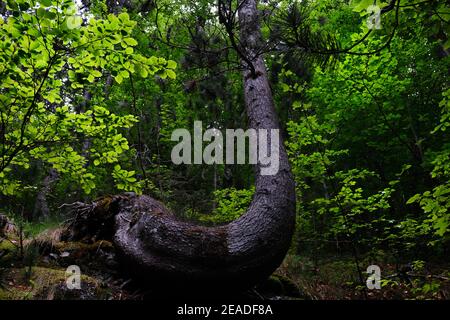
413	199
41	12
96	73
171	74
447	45
124	17
171	64
74	22
46	3
362	5
143	72
163	74
130	41
118	79
285	87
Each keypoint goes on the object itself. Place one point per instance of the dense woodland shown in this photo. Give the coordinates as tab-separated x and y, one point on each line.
91	91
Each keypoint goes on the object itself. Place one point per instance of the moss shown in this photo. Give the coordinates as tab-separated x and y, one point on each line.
80	253
48	284
8	253
289	287
75	250
48	238
83	247
14	294
277	285
273	285
7	245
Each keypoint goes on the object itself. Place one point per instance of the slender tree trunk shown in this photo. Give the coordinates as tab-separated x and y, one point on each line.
41	209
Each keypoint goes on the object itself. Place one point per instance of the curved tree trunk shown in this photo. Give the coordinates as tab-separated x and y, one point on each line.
156	246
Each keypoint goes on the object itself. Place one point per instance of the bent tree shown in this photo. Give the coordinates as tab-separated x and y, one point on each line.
156	246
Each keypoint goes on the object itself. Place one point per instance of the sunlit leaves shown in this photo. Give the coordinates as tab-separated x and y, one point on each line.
125	179
171	64
130	41
74	22
445	111
46	3
49	56
231	203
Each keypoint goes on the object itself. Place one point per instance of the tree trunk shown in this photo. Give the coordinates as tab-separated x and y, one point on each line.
161	249
41	209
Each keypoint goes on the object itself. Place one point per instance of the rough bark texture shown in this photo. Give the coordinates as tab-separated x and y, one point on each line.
161	249
3	222
6	226
41	208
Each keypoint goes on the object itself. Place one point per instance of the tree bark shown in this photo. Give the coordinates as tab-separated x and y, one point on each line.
41	209
163	250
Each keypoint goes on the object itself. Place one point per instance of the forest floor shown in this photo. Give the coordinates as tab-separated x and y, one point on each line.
35	268
336	277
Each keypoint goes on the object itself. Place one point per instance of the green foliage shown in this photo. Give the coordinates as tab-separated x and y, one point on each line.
360	139
436	203
50	54
231	204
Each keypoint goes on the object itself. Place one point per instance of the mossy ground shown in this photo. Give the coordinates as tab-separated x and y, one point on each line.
8	252
47	284
39	272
